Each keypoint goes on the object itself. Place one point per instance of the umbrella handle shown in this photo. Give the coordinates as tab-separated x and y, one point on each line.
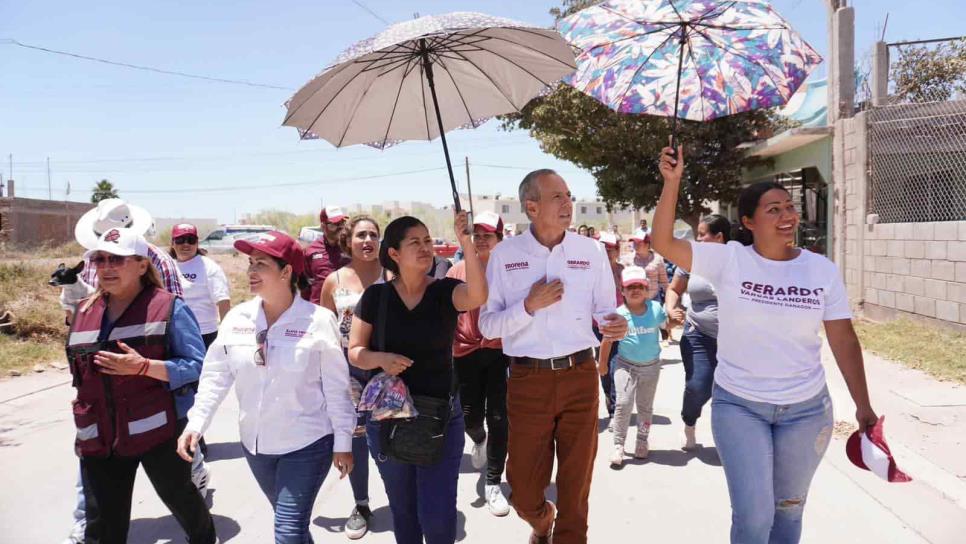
677	91
428	67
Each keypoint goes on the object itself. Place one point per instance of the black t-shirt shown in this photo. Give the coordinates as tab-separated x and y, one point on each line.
424	334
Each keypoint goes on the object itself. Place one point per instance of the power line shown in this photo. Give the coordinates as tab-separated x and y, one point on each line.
144	68
263	186
369	11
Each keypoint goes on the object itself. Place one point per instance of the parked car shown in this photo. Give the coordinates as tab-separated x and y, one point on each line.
444	249
222	239
310	234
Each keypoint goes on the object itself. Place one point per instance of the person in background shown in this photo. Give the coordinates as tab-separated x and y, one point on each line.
547	331
440	267
204	282
481	368
283	355
771	413
207	294
638	365
699	343
643	226
646	258
612	247
131	346
418	348
592	232
324	256
109	214
582	230
340	294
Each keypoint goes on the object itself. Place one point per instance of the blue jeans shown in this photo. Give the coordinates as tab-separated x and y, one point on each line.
359	477
769	453
291	482
423	499
699	353
607	380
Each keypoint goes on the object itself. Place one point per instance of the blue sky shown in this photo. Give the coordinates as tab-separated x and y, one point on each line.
150	132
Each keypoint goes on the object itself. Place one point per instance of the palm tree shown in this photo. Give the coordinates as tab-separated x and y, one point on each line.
103	190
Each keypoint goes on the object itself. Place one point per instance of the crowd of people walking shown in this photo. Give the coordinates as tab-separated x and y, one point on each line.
505	348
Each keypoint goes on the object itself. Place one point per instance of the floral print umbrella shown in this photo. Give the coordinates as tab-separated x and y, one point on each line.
693	59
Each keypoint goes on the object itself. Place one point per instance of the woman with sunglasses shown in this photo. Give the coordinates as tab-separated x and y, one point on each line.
284	356
131	346
341	293
204	282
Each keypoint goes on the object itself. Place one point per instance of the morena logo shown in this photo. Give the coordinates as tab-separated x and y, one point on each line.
112	235
522	265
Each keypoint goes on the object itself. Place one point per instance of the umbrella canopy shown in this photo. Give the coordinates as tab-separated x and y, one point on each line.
696	60
420	78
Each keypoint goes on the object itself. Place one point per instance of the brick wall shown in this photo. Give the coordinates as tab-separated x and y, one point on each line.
892	269
26	222
918	268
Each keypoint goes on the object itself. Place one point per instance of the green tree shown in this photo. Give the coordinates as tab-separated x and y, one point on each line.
622	151
926	74
103	190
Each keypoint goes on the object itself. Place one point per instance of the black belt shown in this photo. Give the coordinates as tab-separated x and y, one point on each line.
556	363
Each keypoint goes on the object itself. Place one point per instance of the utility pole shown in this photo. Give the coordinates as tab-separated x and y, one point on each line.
11	166
50	192
469	189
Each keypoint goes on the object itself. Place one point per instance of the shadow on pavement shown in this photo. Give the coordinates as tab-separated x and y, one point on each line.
150	530
380	522
223	451
678	458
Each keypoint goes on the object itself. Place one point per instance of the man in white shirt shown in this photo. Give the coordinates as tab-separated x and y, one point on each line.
547	287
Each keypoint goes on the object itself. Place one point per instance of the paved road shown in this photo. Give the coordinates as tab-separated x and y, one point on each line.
674	495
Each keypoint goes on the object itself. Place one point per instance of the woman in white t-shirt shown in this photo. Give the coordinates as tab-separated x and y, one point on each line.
204	282
771	411
341	293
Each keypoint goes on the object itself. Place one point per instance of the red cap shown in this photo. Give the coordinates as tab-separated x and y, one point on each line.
488	221
870	451
332	214
277	244
183	229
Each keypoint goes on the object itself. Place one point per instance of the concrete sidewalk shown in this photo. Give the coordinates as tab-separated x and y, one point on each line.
674	496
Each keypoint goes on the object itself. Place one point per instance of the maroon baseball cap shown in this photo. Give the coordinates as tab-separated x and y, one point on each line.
332	214
277	244
183	229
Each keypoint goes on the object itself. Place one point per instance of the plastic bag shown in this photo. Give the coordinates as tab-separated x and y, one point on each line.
387	397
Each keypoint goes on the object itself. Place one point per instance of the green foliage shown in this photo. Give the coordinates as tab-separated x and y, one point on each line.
925	74
284	221
622	151
103	190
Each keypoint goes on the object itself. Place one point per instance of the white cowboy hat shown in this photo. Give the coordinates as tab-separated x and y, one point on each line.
111	213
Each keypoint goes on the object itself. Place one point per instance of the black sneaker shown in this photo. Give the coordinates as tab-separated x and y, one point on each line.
358	524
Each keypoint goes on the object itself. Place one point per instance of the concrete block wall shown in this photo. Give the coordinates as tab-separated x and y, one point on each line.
891	270
917	268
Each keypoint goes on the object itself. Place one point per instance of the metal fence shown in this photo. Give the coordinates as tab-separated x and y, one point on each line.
917	146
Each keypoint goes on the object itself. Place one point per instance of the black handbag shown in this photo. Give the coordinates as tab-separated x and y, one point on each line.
416	440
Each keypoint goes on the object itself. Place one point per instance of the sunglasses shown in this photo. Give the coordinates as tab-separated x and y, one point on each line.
262	340
186	239
102	261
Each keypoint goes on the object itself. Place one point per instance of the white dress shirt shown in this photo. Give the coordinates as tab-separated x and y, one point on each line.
564	327
300	395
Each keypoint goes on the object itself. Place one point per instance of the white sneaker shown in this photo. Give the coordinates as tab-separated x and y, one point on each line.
617	458
496	502
76	535
201	477
478	455
690	443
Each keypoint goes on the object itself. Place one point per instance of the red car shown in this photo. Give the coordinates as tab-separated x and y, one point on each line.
444	249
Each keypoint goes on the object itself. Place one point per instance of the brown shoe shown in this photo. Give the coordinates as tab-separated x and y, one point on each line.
548	537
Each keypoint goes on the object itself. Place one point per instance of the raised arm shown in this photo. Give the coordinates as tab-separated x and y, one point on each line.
471	294
662	231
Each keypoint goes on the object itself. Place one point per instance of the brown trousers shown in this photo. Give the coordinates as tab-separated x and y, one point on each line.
552	411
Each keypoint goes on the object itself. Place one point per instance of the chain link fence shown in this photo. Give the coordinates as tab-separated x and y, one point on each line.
917	140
